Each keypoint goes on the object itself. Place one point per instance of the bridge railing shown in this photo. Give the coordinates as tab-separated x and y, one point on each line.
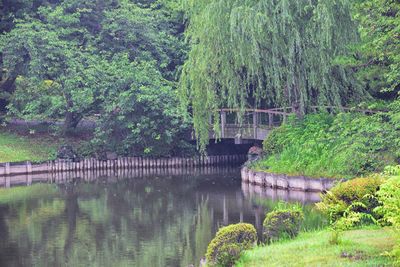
257	123
332	109
267	117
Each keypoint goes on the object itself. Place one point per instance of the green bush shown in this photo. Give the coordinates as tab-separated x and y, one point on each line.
282	223
343	145
229	242
389	197
392	170
357	195
275	141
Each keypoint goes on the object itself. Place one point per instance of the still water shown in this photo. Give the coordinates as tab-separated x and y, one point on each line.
143	220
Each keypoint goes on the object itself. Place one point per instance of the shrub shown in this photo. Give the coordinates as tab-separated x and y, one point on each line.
229	242
392	170
85	149
282	223
389	197
357	195
274	143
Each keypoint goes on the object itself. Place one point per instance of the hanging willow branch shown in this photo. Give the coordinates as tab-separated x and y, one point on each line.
265	53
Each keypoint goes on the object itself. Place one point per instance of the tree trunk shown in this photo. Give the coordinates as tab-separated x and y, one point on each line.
72	118
71	121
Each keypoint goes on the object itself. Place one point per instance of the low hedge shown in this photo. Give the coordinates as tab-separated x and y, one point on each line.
282	223
229	243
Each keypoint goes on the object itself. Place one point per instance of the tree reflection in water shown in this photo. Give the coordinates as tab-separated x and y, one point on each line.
152	221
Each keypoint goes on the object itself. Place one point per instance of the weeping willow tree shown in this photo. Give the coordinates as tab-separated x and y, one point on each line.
265	53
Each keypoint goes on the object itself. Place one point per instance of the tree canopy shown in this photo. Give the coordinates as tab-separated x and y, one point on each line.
72	59
377	57
127	60
266	53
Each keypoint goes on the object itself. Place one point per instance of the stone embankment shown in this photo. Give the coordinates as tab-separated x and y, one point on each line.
282	181
111	175
92	164
252	191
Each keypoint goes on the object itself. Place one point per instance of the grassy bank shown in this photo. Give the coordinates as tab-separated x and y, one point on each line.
336	146
14	147
364	247
36	144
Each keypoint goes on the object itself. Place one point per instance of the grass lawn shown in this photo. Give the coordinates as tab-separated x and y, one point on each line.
20	142
364	247
15	147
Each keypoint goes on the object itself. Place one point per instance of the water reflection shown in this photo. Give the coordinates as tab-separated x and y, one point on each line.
164	219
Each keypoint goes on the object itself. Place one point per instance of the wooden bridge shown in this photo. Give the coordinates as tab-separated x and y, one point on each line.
258	123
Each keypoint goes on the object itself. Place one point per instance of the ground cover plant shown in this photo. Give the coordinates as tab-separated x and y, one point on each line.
326	145
282	223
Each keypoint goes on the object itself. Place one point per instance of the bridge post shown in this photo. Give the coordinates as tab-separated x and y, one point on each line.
223	123
255	123
270	120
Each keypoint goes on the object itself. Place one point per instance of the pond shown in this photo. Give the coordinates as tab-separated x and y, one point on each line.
158	219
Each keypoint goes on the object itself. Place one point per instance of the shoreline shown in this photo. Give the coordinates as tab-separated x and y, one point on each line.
59	166
288	182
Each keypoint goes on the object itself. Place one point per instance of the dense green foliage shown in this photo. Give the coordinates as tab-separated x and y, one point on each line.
229	243
266	53
363	201
73	59
343	145
389	197
117	63
390	200
377	57
282	223
353	200
143	116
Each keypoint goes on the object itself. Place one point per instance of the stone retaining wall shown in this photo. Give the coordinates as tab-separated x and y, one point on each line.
255	191
55	166
110	175
282	181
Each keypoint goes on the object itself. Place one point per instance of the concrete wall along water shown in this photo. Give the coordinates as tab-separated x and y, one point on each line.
25	173
282	181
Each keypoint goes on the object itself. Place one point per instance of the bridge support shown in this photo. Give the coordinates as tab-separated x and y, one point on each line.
223	123
255	124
